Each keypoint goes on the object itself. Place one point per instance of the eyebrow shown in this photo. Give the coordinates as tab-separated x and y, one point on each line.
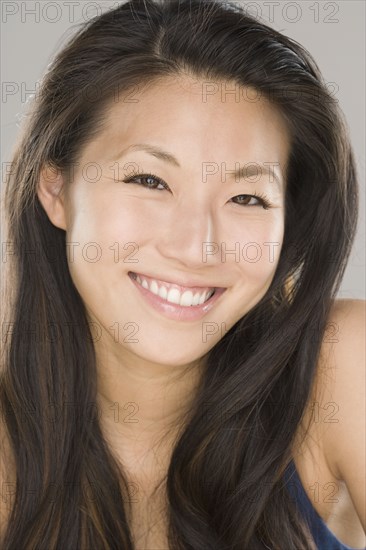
244	172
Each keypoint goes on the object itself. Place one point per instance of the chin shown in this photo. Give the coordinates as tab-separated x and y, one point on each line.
171	356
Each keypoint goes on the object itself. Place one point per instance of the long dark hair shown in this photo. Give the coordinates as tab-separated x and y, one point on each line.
225	485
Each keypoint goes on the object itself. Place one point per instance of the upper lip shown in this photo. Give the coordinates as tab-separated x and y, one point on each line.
177	281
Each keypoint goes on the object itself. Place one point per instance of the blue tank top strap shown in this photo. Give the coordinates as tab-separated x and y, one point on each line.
323	537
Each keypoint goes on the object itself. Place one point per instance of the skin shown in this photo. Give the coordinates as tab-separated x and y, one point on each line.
331	460
159	372
169	227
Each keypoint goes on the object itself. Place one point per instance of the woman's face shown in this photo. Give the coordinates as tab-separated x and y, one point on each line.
199	228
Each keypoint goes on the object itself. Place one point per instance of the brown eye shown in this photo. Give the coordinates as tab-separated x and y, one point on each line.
148	180
245	199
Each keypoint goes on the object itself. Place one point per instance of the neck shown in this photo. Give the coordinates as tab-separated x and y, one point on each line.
143	404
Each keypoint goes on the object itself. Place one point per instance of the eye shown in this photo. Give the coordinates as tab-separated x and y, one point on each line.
263	200
150	181
147	181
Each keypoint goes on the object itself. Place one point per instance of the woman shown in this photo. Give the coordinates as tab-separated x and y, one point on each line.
175	367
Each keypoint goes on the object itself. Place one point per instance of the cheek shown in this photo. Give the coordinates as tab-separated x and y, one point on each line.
112	227
254	244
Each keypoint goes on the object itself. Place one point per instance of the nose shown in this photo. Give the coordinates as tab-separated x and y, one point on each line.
192	229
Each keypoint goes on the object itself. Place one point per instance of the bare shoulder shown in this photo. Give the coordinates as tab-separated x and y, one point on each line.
342	372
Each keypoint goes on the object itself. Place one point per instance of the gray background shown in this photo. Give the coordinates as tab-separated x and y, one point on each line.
333	32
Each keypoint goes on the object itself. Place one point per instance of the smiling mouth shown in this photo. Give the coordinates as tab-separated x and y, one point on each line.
173	293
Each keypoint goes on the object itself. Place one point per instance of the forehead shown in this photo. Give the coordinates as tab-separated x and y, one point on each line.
199	120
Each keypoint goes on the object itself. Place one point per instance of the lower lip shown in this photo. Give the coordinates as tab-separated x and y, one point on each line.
175	311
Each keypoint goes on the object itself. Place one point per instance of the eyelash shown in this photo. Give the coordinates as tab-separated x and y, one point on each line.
266	204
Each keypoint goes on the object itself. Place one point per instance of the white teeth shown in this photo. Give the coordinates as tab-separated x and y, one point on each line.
186	298
163	293
154	287
173	295
202	298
